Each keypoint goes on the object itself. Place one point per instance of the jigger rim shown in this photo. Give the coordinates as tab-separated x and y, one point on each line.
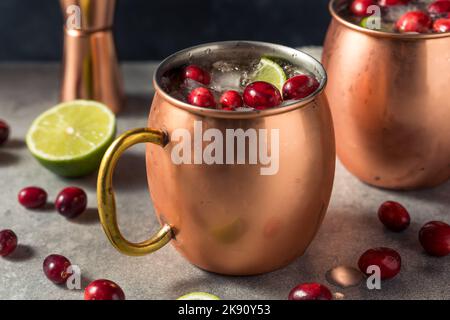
293	56
382	34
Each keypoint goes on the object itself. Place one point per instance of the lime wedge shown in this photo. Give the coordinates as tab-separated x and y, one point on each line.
199	296
71	138
271	72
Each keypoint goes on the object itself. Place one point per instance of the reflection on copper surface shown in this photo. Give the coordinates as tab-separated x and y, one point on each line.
90	67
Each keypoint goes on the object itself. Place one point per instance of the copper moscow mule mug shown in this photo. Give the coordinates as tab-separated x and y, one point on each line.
231	218
390	99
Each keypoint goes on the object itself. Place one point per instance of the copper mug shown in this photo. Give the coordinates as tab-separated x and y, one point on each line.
230	218
390	99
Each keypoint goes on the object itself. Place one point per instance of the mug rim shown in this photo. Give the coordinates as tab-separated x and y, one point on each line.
217	113
383	34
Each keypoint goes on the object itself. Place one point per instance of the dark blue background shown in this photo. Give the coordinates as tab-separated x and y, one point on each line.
152	29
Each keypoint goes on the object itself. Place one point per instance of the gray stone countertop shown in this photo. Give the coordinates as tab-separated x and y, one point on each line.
350	227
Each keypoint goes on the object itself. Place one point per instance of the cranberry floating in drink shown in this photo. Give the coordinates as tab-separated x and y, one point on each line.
391	3
245	84
201	97
396	16
197	74
439	7
360	7
442	25
231	100
414	21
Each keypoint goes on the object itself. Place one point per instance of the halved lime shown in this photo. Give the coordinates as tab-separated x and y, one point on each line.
71	138
271	72
199	296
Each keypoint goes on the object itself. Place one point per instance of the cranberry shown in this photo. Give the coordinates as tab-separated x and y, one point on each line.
8	242
390	3
442	25
414	21
32	197
198	74
310	291
439	7
4	132
435	238
201	97
359	7
388	260
394	216
262	95
299	87
55	268
71	202
231	100
103	290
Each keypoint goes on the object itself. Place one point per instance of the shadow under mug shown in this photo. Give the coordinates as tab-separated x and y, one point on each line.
389	95
246	217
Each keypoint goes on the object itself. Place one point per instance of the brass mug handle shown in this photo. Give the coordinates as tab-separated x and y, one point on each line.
106	200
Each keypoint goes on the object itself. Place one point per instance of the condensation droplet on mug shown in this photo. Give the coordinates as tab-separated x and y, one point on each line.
344	276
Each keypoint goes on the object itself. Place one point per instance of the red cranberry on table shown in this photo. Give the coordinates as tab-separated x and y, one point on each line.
71	202
299	87
231	100
198	74
201	97
8	242
103	290
390	3
394	216
32	197
55	268
310	291
439	7
388	260
4	132
262	95
359	7
435	238
442	25
414	21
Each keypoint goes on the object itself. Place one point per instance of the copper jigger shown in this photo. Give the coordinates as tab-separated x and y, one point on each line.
390	99
90	67
229	218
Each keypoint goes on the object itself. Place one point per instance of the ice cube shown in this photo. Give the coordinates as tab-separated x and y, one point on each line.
225	75
394	13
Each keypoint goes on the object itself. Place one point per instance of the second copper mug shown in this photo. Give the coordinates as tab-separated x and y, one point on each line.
231	218
390	99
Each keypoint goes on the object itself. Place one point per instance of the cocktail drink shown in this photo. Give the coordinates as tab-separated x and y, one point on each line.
240	160
398	16
389	93
240	83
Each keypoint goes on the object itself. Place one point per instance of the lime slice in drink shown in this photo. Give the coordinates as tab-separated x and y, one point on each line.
271	72
199	296
71	138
